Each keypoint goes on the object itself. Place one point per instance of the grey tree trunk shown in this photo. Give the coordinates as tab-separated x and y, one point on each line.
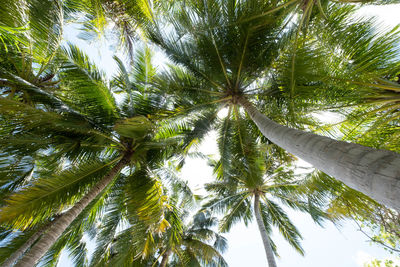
374	172
18	253
165	257
32	257
263	232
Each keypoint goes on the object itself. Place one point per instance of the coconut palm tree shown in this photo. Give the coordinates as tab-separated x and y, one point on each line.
123	236
96	141
190	239
126	18
228	59
181	242
236	204
262	178
197	244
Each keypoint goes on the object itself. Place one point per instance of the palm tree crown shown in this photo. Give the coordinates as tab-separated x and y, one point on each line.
260	177
94	136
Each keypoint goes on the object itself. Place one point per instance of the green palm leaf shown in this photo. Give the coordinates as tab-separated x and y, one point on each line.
286	228
49	195
83	86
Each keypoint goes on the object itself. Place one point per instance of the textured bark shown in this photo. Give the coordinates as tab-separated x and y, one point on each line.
374	172
263	232
19	252
33	256
165	258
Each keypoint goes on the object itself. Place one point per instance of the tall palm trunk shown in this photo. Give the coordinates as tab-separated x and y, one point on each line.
263	232
33	256
18	253
165	258
374	172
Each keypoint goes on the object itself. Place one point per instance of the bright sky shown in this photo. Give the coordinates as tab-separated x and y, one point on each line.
325	247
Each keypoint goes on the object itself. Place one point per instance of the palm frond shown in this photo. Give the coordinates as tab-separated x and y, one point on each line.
49	195
239	211
286	228
83	86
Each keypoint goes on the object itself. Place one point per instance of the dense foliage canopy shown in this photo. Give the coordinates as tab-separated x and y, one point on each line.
86	155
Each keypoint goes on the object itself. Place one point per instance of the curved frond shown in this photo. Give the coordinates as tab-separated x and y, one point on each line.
49	195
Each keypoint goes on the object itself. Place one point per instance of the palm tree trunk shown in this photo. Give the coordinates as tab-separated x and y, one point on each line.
165	258
374	172
19	252
263	232
33	256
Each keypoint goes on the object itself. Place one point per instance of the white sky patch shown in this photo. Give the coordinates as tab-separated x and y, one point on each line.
302	166
387	14
100	50
363	258
328	117
197	171
159	59
223	113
